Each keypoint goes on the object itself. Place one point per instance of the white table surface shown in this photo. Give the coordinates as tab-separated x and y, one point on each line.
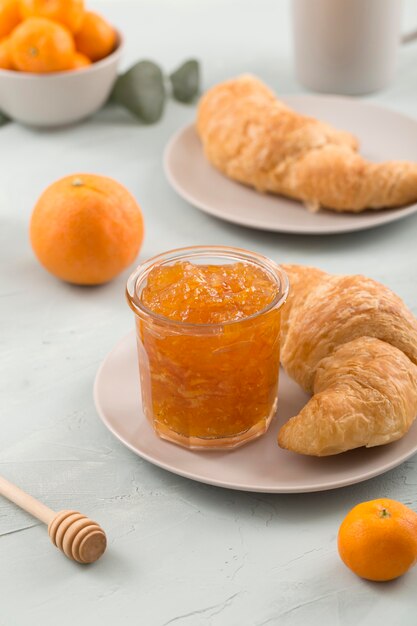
180	552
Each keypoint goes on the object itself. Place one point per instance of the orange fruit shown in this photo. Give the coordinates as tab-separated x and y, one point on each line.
5	54
378	539
86	229
70	13
97	38
40	45
80	60
9	16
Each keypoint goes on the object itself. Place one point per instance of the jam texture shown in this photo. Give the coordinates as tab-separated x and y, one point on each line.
209	358
208	294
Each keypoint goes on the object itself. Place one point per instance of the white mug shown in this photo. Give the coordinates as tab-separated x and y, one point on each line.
346	46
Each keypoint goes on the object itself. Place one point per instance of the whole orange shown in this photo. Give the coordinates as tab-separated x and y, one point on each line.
40	45
96	38
86	229
378	539
9	16
5	54
70	13
80	60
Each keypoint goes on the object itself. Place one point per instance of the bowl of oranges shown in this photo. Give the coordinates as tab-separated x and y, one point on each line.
58	61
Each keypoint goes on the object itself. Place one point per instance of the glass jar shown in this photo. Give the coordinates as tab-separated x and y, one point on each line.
210	386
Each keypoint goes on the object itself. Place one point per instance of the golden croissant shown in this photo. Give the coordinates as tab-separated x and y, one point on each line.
352	343
252	137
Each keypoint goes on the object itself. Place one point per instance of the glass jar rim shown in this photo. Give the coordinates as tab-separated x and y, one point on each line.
239	254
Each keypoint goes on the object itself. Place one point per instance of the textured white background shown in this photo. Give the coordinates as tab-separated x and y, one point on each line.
180	552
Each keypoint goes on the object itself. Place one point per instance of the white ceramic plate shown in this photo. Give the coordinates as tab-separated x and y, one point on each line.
384	135
259	466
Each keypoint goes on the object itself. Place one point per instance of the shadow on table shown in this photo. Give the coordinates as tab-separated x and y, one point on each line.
333	242
290	508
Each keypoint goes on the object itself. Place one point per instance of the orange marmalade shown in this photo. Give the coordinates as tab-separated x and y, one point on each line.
208	342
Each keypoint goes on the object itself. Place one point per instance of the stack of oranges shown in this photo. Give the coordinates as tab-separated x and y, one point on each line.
42	36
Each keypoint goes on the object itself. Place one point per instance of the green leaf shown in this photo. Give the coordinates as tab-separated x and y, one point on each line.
3	119
186	81
141	90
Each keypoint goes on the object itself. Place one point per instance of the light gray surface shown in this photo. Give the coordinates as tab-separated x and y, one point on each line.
180	552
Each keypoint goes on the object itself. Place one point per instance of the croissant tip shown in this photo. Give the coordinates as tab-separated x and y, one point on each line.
281	439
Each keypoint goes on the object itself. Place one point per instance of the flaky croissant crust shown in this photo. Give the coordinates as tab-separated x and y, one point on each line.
252	137
352	343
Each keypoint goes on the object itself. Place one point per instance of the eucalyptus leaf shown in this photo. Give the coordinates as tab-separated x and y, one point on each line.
3	119
142	91
186	81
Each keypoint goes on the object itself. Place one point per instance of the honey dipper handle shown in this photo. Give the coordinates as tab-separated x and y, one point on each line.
26	502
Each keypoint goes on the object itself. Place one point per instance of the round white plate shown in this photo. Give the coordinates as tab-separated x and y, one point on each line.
384	135
259	466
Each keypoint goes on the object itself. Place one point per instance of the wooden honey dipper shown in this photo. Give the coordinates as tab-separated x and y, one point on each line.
74	534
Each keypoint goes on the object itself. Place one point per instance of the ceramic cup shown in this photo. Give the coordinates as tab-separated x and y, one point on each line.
346	46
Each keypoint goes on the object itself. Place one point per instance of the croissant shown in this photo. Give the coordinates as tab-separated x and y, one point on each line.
352	343
257	140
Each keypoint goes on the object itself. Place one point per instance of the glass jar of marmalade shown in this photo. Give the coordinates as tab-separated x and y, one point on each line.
208	325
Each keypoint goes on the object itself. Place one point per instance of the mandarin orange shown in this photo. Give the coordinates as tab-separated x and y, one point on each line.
96	38
378	539
70	13
40	45
9	16
5	54
79	61
86	229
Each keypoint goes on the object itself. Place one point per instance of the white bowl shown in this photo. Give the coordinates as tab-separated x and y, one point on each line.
59	98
